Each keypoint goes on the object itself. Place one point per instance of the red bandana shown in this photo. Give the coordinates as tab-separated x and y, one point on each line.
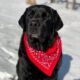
45	61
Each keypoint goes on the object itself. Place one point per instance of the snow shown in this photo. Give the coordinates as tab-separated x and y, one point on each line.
2	75
78	1
10	34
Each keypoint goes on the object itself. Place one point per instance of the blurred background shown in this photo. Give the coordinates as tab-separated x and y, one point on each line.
10	34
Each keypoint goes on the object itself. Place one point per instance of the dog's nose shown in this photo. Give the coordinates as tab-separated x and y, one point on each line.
33	23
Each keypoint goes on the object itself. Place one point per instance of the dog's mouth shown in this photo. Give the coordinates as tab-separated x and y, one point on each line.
37	42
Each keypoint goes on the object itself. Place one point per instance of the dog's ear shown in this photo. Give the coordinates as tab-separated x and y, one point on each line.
22	19
58	24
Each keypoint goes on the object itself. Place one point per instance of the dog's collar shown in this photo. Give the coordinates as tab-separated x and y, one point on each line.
45	61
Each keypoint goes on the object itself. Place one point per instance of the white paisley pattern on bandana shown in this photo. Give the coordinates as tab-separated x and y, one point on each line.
43	58
45	61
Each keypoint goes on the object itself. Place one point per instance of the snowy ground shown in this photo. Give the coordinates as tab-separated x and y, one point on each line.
10	34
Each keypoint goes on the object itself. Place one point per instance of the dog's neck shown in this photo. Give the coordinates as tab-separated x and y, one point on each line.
43	46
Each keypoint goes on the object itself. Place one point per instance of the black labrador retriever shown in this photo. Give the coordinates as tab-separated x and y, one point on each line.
40	23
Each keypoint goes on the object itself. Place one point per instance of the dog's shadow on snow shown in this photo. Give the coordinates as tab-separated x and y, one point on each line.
66	63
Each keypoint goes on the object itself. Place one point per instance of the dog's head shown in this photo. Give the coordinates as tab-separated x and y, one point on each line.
40	22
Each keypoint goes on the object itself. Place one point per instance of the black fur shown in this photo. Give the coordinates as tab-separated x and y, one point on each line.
40	23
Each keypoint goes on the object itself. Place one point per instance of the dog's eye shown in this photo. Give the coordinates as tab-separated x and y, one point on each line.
30	14
44	15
